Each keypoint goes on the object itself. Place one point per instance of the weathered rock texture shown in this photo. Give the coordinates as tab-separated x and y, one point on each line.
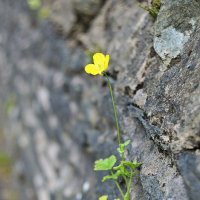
62	119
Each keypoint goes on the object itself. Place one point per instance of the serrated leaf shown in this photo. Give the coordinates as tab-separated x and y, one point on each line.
122	170
105	164
121	151
122	146
126	143
132	165
104	197
113	176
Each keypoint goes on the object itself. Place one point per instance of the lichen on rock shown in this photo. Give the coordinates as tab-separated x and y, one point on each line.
173	29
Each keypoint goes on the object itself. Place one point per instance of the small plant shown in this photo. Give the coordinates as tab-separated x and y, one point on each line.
36	5
153	8
116	169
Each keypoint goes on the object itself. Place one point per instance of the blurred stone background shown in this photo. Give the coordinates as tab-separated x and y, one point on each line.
55	120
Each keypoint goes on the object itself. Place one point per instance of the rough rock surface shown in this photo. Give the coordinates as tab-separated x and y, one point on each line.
60	119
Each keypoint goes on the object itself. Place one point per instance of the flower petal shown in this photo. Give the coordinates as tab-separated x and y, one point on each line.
107	58
91	69
99	59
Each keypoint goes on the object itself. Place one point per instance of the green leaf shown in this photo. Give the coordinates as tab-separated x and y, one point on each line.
34	4
104	197
126	143
122	170
153	9
105	164
132	165
156	4
113	176
122	146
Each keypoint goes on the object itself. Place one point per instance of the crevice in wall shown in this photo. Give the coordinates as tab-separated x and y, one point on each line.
138	87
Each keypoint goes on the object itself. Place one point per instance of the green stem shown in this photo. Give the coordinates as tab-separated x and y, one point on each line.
114	108
123	156
125	179
130	181
119	188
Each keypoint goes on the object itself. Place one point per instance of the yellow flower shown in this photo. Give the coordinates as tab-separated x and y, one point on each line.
100	64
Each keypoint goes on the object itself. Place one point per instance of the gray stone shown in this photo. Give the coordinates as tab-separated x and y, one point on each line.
188	164
61	14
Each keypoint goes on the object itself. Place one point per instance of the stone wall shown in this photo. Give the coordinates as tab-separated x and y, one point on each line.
60	119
